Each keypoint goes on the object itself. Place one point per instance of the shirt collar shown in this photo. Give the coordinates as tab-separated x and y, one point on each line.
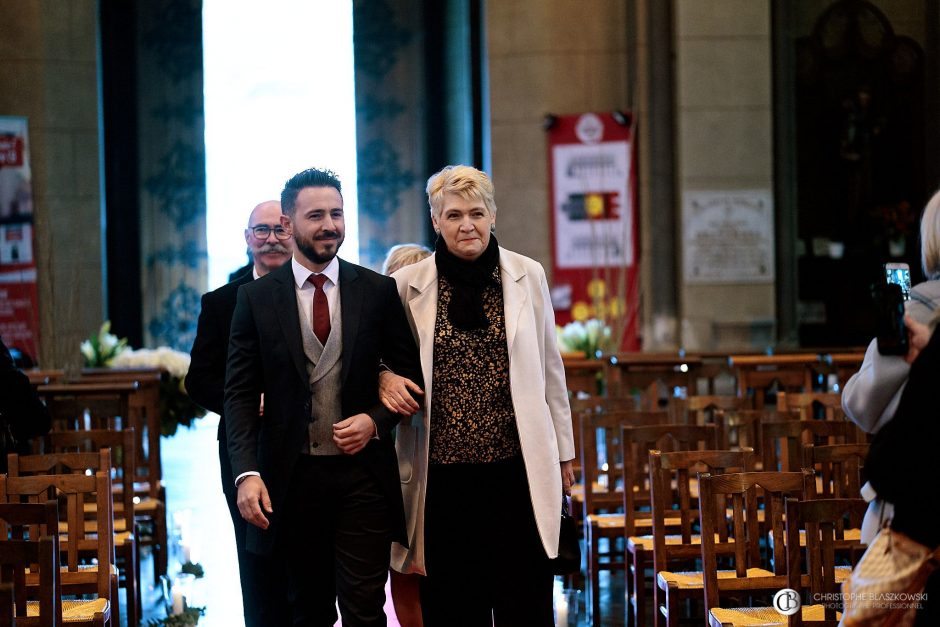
302	273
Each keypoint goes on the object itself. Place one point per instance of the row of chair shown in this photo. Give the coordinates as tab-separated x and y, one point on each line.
614	444
104	422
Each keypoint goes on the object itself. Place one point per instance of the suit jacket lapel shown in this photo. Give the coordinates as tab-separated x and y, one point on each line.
350	290
514	296
285	304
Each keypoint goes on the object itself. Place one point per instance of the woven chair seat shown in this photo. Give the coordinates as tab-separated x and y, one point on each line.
74	611
764	616
646	542
851	537
693	579
616	521
91	526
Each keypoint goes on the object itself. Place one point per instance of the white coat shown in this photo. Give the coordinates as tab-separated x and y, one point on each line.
537	386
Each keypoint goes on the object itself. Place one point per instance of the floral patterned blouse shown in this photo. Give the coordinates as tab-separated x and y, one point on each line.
472	418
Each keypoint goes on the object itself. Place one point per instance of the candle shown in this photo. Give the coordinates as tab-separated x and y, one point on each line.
561	611
186	553
177	601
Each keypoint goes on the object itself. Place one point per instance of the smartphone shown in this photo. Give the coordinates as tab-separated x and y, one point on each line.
899	274
891	331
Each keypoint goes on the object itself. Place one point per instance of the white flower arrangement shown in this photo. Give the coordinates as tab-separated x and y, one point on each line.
176	407
591	337
173	361
100	350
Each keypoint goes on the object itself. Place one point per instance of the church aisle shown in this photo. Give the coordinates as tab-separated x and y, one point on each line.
191	476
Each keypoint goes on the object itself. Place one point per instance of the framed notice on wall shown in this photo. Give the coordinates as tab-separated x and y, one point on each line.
19	311
728	236
594	221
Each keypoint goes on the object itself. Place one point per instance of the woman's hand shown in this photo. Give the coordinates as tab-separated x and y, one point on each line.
395	393
567	476
918	335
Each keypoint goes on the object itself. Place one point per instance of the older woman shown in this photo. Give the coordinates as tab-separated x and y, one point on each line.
484	467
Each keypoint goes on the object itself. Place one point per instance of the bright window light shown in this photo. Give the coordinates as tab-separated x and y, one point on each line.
279	98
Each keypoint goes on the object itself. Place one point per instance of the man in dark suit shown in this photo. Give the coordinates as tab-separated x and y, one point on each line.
271	246
317	474
22	414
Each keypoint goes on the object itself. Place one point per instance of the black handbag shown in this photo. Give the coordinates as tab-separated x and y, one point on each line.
569	547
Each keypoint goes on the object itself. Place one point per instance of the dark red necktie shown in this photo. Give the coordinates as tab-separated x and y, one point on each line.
321	308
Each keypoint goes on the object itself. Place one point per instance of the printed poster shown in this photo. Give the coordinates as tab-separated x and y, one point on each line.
19	310
591	161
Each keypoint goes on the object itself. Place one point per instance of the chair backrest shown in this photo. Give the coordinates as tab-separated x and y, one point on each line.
741	491
17	557
781	441
593	405
6	605
704	409
144	409
123	456
74	490
673	487
840	470
30	522
80	406
823	521
637	442
756	374
812	405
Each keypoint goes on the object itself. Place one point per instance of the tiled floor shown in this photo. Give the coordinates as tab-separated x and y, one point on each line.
191	475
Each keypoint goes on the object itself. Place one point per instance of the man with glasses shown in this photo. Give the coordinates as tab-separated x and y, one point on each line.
271	246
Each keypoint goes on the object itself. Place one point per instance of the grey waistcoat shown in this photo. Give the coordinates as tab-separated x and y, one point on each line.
324	367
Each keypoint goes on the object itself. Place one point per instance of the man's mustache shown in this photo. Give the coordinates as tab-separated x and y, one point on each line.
274	248
328	235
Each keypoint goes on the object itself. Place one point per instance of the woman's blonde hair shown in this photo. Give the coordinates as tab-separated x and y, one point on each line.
403	255
463	180
930	238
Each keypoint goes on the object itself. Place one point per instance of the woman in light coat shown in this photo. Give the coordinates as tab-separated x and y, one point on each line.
484	466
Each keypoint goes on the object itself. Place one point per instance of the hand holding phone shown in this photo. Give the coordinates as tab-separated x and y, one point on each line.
891	331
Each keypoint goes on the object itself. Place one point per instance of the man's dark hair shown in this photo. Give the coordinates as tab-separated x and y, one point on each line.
308	178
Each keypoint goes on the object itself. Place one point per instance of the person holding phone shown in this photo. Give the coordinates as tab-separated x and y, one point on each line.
870	398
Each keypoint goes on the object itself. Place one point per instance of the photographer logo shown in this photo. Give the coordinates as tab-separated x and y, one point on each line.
787	602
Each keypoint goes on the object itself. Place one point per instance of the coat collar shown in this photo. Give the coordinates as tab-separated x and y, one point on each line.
422	299
285	304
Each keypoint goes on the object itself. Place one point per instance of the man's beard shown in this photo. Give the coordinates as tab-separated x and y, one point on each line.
306	246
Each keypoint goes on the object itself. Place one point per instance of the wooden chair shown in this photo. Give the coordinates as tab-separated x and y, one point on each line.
781	441
703	410
144	410
17	559
74	490
748	575
812	405
756	374
20	523
6	605
79	406
820	522
637	520
122	446
674	491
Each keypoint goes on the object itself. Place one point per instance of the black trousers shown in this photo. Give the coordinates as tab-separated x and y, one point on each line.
336	542
485	561
264	584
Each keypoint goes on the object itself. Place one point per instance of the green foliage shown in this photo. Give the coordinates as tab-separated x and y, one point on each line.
188	618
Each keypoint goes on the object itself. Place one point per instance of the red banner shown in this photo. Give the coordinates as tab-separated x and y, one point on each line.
594	224
19	303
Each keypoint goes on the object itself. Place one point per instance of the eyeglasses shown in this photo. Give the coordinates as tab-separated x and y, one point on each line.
263	231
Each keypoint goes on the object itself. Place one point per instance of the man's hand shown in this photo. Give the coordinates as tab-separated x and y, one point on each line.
394	393
352	434
252	496
567	476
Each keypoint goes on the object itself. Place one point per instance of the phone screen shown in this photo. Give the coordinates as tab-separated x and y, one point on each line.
899	274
